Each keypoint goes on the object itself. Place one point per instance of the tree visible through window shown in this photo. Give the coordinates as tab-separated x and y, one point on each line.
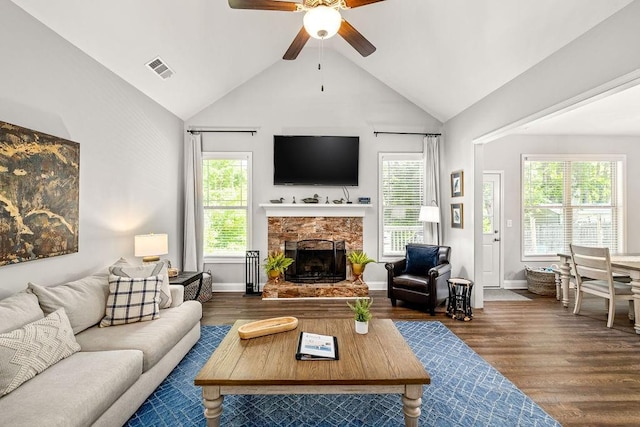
226	180
402	194
571	200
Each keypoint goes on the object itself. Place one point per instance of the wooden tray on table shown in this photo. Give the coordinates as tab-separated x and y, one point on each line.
274	325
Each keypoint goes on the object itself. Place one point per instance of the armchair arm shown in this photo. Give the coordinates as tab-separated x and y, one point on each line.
438	286
394	269
440	270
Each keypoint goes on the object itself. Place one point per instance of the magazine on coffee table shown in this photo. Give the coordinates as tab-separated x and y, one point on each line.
317	347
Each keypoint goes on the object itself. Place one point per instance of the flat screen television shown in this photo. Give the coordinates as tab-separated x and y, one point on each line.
315	160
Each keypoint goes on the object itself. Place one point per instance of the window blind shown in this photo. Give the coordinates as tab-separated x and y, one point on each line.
571	200
225	203
402	194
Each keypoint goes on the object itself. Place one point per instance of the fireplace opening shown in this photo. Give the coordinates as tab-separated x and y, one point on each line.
316	261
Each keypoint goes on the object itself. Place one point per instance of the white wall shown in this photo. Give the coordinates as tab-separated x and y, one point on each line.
605	53
286	99
130	148
505	154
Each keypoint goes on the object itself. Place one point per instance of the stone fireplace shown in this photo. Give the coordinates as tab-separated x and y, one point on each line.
283	229
315	227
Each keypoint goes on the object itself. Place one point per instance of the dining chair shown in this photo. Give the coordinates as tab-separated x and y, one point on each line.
595	263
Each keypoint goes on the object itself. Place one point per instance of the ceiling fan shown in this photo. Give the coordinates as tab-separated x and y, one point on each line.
322	20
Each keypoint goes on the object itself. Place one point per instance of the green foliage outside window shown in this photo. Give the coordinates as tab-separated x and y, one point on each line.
225	200
569	201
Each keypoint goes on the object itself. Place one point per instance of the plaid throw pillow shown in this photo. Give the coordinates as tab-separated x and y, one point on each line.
125	269
132	300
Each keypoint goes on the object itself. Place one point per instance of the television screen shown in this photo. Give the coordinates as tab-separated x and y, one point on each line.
315	160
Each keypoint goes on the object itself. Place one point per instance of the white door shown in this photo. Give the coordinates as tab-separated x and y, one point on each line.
491	245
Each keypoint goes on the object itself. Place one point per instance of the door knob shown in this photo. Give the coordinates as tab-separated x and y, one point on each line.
496	240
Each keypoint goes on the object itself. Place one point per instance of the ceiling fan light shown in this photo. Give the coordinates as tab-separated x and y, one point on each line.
322	22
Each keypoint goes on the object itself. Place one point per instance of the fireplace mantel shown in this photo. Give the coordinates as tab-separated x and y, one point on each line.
314	209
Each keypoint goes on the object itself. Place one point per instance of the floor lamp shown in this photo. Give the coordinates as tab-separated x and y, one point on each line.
431	214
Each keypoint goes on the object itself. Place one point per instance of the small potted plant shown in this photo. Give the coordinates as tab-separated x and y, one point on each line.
275	264
358	260
362	314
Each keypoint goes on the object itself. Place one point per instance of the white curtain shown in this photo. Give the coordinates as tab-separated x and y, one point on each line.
432	184
193	211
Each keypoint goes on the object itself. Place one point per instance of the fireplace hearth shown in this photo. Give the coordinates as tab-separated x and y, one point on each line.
316	261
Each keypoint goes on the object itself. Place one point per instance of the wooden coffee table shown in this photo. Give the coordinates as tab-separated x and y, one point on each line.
379	362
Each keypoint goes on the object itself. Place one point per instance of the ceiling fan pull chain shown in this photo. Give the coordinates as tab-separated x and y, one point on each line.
320	65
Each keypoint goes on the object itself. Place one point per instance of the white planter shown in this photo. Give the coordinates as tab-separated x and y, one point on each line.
362	327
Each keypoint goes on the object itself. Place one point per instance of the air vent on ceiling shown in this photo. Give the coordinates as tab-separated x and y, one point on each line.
159	67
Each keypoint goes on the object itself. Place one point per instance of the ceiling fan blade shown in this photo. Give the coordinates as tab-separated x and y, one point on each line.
287	6
355	39
297	45
357	3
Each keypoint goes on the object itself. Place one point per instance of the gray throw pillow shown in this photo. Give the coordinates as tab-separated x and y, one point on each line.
83	300
18	310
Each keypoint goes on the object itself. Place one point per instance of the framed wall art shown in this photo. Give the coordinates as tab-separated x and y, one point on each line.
457	184
457	215
39	195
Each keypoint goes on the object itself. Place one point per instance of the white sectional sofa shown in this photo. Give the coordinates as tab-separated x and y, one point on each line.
117	367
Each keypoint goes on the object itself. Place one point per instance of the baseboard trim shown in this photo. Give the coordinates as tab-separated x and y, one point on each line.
515	284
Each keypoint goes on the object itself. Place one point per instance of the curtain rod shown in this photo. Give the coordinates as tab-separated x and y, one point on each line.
407	133
222	131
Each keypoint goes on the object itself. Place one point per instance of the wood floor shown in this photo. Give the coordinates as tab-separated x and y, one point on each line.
574	367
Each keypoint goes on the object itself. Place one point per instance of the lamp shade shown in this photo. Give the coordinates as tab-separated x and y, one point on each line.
429	214
322	22
150	246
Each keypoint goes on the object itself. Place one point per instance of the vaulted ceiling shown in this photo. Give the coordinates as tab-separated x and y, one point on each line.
443	55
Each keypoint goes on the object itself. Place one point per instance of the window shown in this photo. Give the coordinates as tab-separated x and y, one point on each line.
571	199
402	193
226	184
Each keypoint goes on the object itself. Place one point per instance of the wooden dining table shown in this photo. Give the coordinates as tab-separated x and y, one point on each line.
628	264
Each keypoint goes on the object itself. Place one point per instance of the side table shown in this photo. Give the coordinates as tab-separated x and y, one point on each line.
185	278
459	305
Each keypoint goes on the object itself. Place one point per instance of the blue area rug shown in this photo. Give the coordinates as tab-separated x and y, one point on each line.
464	391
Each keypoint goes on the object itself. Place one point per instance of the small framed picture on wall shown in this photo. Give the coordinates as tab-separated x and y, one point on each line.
457	184
457	215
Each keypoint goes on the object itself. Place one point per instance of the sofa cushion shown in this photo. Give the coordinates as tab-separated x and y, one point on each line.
29	350
83	300
126	269
132	300
154	339
74	392
18	310
420	259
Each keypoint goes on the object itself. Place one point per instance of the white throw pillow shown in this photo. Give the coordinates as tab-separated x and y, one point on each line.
29	350
125	269
132	300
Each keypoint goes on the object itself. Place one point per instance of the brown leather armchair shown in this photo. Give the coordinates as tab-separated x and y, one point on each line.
421	277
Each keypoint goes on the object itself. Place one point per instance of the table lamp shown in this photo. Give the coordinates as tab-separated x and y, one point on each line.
431	214
151	246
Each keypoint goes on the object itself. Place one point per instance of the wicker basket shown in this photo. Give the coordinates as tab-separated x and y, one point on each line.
205	294
540	282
